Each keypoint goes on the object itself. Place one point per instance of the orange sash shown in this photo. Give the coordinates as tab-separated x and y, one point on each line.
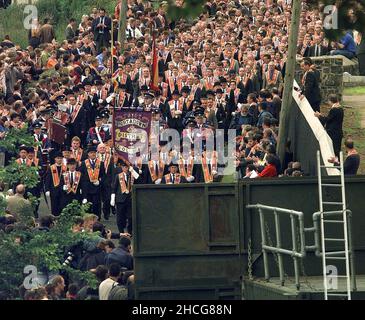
76	182
171	84
75	113
177	178
151	167
28	162
55	177
78	155
208	176
122	79
274	77
165	89
123	187
93	173
189	172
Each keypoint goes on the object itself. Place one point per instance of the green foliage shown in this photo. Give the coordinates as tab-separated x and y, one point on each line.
16	174
45	250
2	205
15	138
190	10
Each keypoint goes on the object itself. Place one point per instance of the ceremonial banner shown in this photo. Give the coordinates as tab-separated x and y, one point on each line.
131	131
56	131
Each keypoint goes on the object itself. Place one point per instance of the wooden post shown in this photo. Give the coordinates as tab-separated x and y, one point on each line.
289	78
122	24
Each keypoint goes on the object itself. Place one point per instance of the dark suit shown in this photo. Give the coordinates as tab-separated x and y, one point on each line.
182	179
102	35
106	186
56	192
67	198
90	191
123	202
333	123
321	51
78	127
311	90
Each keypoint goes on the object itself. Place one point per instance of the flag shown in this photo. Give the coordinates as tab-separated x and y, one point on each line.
154	83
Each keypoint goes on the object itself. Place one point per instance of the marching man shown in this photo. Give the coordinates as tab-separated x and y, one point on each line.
121	196
71	183
92	175
53	183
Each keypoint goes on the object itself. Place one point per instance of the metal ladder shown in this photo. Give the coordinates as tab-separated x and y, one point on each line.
340	256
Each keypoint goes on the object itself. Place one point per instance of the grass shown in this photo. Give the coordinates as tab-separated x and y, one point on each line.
59	11
352	126
354	91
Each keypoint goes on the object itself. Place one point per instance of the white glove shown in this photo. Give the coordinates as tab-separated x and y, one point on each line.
48	193
190	179
84	201
112	200
64	188
214	172
158	181
96	183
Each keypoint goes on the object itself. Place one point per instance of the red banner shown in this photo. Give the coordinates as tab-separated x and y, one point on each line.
131	131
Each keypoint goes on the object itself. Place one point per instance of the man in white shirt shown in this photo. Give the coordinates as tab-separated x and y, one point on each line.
251	172
106	286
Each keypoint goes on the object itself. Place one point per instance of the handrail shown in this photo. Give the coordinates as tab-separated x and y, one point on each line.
294	253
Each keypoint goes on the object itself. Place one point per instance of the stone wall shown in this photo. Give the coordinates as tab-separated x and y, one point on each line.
331	70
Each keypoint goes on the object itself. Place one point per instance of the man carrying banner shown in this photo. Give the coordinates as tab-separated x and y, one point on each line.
122	196
97	134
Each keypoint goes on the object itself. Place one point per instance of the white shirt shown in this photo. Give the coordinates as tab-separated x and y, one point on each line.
105	287
253	175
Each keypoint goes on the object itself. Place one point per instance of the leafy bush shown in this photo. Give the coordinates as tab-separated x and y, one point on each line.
45	250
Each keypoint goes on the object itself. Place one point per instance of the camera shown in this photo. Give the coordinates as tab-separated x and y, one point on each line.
69	259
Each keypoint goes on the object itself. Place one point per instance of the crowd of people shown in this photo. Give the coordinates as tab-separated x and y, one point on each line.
225	70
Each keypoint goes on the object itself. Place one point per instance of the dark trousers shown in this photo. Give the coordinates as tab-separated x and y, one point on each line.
337	142
95	200
100	43
316	106
105	199
68	198
56	203
124	212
